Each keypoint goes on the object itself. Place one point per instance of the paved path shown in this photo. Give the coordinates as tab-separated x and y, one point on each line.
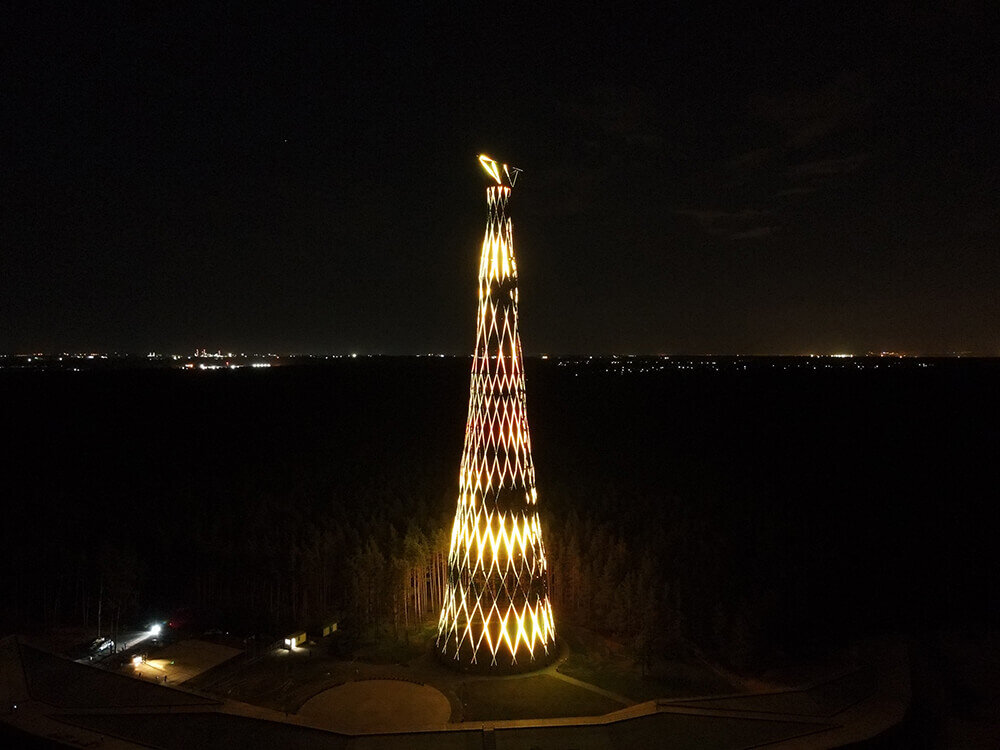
592	688
378	706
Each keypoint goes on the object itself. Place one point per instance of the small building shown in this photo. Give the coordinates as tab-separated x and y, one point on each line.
295	639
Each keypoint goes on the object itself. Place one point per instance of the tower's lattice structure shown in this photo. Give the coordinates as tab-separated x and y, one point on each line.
496	614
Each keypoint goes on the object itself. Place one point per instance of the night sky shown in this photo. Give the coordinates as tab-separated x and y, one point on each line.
797	180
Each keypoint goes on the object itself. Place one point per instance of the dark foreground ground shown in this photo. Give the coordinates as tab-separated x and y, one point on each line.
773	511
82	705
942	692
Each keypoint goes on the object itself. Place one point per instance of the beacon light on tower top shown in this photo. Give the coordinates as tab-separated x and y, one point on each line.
493	170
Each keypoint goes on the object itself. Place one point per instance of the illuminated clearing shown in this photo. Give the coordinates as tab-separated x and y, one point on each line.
496	613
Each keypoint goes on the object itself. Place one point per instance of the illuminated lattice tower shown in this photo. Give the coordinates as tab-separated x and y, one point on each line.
496	615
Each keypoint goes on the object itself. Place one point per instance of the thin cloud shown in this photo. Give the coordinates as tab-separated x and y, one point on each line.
809	140
740	224
827	167
808	117
753	233
794	191
623	115
750	159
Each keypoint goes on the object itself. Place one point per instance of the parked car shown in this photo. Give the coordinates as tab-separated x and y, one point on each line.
101	647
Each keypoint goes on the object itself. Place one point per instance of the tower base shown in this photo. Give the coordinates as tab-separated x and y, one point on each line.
525	662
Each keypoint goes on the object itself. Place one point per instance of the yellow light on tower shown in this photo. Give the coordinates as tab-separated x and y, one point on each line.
496	614
491	168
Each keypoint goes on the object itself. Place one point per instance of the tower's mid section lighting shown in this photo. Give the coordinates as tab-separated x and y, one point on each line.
496	615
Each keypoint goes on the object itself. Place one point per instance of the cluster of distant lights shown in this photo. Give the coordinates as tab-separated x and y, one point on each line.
199	361
618	363
227	366
638	363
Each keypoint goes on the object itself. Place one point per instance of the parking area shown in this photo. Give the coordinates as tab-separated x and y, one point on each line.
178	662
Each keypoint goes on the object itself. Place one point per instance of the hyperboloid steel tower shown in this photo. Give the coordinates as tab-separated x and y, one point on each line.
496	615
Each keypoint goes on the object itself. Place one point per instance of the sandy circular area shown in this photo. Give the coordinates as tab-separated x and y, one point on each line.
378	706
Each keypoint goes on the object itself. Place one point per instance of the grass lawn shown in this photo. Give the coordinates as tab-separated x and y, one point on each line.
284	681
592	662
535	697
281	681
400	648
673	679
